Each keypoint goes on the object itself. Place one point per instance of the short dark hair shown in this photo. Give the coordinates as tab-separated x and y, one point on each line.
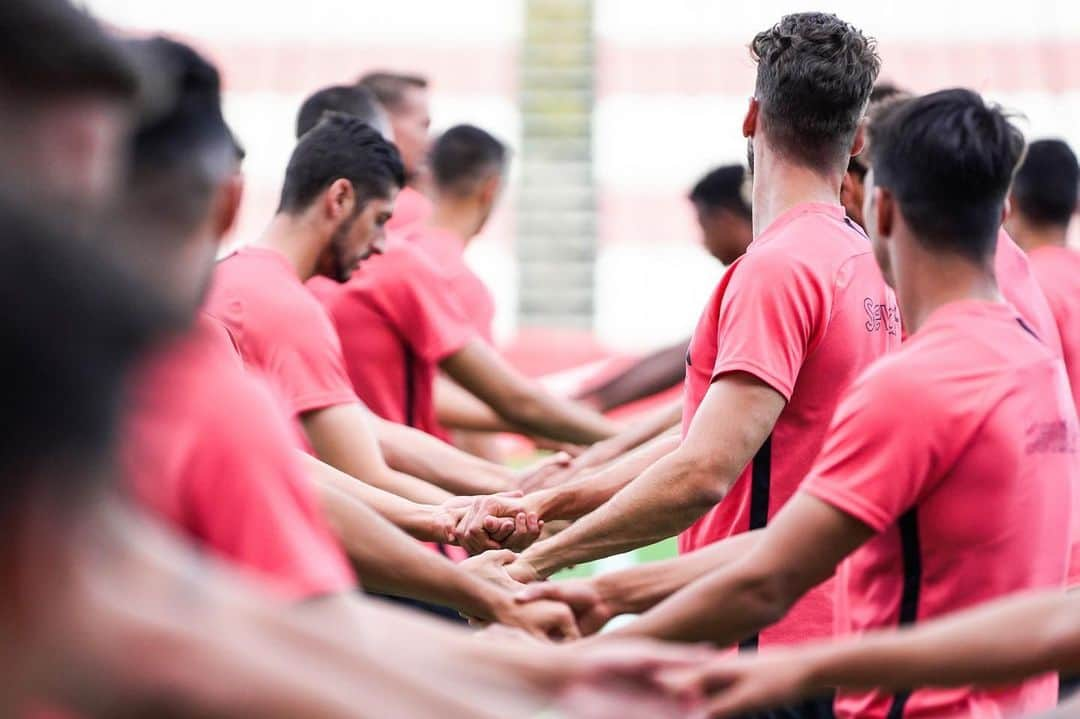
1045	187
346	99
49	47
339	147
884	90
948	158
464	155
722	188
181	152
82	321
390	87
814	76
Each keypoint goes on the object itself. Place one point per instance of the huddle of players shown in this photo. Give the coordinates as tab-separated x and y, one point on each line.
941	469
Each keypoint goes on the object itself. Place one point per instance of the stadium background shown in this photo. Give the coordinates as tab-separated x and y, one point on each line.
613	109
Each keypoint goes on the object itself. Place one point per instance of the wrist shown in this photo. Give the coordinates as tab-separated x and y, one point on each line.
541	562
612	594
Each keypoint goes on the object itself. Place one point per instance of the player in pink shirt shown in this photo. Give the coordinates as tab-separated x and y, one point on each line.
345	99
417	308
947	477
792	322
1014	272
1043	202
406	100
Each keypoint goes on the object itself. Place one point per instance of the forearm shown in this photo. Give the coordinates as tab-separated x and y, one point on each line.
998	643
541	413
456	408
655	373
641	431
638	589
577	498
666	499
390	562
419	454
333	485
724	607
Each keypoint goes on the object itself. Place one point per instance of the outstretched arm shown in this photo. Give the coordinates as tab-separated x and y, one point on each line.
522	402
680	487
997	643
651	374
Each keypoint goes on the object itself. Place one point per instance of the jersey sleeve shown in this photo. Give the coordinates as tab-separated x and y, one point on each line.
249	503
770	317
880	456
308	365
422	305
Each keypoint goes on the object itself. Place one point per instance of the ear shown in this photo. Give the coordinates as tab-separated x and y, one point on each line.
749	123
339	199
859	143
886	207
230	196
489	190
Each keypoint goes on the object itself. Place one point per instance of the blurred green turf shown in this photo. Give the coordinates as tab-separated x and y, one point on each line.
655	552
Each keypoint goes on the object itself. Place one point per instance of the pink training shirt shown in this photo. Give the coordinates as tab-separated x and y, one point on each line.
280	329
804	310
960	451
410	207
207	449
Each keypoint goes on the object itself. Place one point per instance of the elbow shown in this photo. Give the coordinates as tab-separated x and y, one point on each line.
705	483
767	595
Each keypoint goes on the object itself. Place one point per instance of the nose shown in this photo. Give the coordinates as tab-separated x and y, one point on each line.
379	245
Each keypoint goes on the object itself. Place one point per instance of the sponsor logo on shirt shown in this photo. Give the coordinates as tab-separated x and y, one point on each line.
1056	437
881	317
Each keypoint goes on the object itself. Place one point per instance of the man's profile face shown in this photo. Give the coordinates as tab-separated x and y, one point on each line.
879	243
358	237
725	233
411	121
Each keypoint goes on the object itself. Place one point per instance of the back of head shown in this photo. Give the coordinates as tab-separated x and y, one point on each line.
723	188
463	157
814	77
390	87
340	147
48	47
948	159
181	152
81	323
1045	188
346	99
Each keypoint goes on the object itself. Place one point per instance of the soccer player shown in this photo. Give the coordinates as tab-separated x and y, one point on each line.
1014	272
790	325
722	204
417	308
1043	201
338	193
209	447
973	410
348	100
406	99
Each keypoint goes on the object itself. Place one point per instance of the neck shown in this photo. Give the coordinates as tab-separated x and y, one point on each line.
928	281
780	186
296	237
1031	237
456	217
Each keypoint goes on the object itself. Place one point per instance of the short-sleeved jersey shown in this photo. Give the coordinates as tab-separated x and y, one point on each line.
398	317
280	329
960	452
208	449
804	311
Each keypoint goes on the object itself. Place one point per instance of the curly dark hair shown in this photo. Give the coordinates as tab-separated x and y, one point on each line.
814	77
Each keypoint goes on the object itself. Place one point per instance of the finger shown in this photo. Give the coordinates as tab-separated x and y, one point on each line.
533	524
681	681
510	493
539	590
567	628
501	530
